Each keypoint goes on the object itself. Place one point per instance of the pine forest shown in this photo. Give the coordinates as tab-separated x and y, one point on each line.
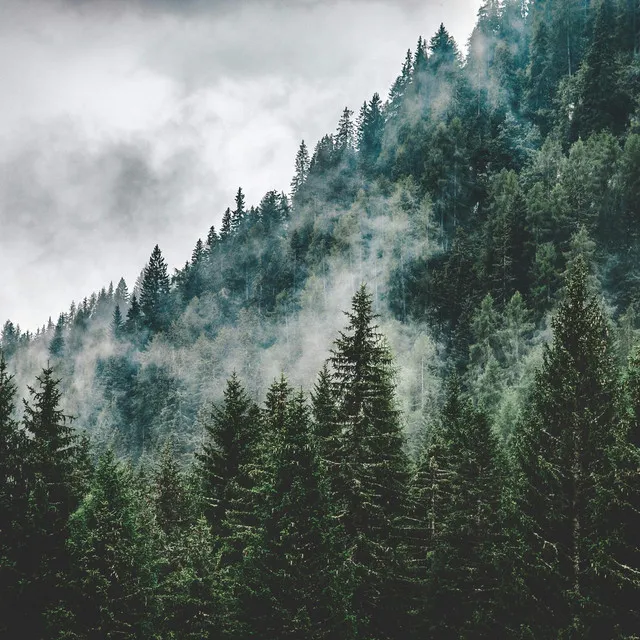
400	401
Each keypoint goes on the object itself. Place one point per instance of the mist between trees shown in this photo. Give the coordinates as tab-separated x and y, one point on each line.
456	457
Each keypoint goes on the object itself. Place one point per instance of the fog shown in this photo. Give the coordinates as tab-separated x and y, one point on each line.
126	124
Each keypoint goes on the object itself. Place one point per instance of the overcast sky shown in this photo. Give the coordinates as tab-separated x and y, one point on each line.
126	123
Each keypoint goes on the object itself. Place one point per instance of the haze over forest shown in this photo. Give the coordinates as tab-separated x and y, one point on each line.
368	367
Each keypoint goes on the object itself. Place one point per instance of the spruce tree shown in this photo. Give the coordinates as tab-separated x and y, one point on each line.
370	133
326	430
370	490
226	227
133	323
399	88
51	462
301	170
113	575
186	577
345	133
239	213
562	449
293	583
13	506
625	511
154	293
228	450
117	323
56	346
602	104
457	503
121	294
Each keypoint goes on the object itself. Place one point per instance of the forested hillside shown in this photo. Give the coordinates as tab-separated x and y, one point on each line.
221	452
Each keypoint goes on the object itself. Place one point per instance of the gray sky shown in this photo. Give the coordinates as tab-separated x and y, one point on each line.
126	123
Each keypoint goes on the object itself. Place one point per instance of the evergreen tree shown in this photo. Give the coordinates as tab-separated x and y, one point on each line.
113	577
117	324
195	273
602	105
399	88
370	133
50	469
292	581
507	238
56	346
444	56
239	213
133	323
457	488
325	426
212	239
562	450
226	227
9	339
370	491
186	589
154	293
540	87
345	133
301	171
229	449
13	506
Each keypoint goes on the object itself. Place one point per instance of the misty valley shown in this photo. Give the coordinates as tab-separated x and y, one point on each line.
400	400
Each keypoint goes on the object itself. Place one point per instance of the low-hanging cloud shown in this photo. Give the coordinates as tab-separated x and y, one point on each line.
124	124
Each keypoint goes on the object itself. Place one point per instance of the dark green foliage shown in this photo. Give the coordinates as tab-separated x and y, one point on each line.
13	506
301	170
117	325
154	293
457	497
56	345
370	132
563	450
231	436
602	103
371	468
293	584
186	575
50	468
112	558
466	199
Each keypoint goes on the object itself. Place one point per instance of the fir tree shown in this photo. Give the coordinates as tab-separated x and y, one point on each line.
113	576
56	346
562	449
133	323
457	491
229	449
291	580
345	133
602	105
226	227
13	506
399	88
212	239
370	133
372	467
239	213
50	469
154	292
301	170
117	323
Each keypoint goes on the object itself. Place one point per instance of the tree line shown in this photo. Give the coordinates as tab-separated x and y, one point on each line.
307	517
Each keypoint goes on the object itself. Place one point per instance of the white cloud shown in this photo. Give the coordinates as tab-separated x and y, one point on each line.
121	127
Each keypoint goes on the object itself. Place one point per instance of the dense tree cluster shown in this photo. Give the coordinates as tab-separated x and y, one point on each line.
493	198
303	520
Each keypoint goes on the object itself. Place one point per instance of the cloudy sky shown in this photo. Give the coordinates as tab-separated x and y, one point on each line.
126	123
